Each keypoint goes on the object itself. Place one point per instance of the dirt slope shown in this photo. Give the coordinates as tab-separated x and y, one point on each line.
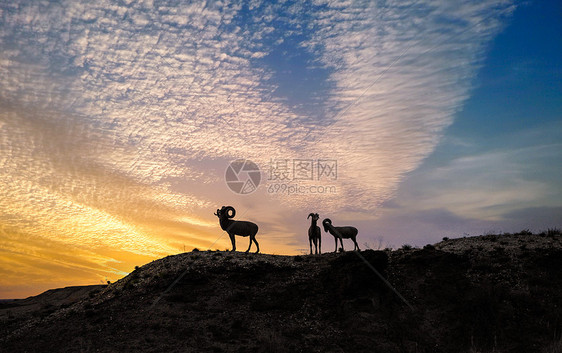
480	294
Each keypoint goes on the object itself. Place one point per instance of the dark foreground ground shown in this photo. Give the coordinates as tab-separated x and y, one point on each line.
481	294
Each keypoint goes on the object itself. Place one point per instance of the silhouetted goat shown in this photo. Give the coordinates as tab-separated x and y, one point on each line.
340	233
232	227
314	234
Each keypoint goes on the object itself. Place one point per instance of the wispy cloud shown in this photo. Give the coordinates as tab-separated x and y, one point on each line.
486	186
401	71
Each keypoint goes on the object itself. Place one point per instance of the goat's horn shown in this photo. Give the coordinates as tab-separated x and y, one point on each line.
228	208
310	215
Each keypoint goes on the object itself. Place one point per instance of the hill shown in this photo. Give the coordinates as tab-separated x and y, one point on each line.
45	303
480	294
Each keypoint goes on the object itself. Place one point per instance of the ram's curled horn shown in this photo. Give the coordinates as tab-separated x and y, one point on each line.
230	208
325	224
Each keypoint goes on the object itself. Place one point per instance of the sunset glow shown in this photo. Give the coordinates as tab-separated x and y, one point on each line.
118	121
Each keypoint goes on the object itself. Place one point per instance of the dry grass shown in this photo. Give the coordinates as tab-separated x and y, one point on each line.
556	347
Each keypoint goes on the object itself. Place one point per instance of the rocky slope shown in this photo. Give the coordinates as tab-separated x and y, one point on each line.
479	294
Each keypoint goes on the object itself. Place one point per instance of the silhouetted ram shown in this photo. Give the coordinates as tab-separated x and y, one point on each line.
314	234
341	233
232	227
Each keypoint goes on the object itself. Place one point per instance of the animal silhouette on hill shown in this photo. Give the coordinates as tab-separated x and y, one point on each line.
314	234
340	233
233	228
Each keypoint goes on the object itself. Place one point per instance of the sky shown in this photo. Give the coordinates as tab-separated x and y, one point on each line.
124	125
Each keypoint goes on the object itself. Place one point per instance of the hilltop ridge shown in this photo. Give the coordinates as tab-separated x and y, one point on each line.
478	294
